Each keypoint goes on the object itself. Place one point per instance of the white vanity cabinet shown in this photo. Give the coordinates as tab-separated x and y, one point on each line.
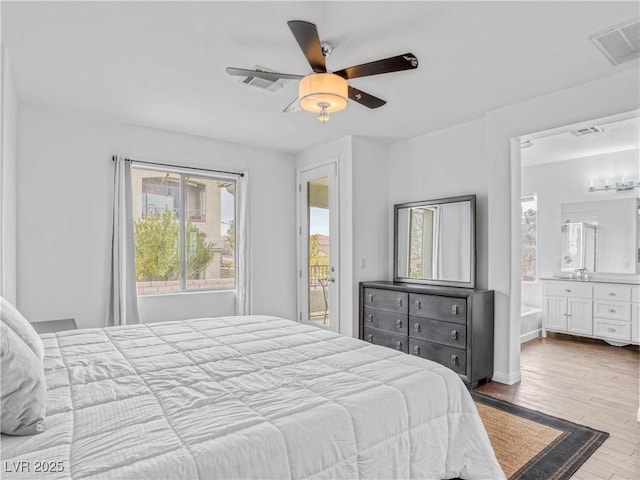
612	312
568	308
609	311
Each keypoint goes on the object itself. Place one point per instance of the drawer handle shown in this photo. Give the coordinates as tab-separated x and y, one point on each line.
416	349
370	337
399	302
418	304
398	345
454	334
611	310
454	310
612	294
454	360
370	297
416	327
568	290
611	329
399	323
370	316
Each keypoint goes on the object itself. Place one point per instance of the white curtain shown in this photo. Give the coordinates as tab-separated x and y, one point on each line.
244	304
123	298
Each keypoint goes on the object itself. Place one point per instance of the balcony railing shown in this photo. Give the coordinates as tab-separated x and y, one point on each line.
316	273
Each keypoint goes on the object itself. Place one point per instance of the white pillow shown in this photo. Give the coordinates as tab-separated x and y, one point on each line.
21	326
24	394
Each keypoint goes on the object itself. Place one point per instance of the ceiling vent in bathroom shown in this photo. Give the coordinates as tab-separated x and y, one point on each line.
621	43
586	131
264	83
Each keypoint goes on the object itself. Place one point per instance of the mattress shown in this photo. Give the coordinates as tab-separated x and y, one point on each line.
246	397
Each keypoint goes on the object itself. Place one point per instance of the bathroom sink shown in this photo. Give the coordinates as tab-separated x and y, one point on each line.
567	277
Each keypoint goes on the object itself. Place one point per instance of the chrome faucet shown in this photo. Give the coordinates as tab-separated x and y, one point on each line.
581	273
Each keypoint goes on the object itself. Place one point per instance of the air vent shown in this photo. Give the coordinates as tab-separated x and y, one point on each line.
263	83
621	43
586	131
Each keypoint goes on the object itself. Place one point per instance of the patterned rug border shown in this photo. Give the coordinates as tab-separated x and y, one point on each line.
561	458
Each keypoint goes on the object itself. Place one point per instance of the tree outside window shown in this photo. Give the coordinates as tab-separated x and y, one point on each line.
184	231
528	218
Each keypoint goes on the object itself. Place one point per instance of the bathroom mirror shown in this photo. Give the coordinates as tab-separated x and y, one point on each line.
601	236
435	242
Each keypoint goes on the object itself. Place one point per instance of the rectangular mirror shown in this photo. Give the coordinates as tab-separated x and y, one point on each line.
601	236
434	241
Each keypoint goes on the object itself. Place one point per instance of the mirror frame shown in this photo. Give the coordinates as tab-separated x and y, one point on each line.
472	232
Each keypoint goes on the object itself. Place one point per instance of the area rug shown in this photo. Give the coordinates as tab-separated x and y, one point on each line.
532	445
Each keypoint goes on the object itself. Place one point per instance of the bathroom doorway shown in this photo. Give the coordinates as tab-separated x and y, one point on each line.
579	179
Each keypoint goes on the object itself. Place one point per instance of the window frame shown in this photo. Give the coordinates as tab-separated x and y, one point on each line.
186	172
523	198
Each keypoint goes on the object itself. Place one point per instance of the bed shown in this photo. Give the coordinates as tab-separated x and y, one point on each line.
246	397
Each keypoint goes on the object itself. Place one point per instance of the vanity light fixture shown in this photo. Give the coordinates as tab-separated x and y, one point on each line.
621	185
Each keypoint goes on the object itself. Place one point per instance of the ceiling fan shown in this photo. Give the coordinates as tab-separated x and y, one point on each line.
325	92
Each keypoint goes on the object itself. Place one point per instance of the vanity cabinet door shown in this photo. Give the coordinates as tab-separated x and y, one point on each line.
580	316
555	311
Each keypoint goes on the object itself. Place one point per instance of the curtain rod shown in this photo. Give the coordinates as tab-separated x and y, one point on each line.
180	166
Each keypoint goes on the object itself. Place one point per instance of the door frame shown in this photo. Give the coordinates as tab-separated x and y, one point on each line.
334	305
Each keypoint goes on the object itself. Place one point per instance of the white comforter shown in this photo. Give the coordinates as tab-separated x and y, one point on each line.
246	397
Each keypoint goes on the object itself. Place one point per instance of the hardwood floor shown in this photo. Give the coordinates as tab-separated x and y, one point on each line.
588	382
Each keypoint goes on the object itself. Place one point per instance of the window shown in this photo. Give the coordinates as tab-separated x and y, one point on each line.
184	231
528	219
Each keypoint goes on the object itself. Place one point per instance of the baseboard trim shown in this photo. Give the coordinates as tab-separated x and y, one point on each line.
530	335
506	378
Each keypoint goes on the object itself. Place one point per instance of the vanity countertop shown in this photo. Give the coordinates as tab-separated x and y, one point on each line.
594	280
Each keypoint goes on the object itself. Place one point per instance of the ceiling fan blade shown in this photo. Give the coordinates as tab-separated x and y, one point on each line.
273	76
363	98
407	61
306	35
292	107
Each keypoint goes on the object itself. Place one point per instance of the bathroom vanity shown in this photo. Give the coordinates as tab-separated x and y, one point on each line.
608	310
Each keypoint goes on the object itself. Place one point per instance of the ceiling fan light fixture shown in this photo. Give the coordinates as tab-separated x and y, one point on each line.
323	93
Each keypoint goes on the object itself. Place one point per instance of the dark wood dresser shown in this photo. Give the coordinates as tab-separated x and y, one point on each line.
451	326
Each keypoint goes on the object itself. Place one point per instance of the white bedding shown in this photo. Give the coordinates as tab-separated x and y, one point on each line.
246	397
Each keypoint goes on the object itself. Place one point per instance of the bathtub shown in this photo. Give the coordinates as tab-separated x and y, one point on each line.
530	322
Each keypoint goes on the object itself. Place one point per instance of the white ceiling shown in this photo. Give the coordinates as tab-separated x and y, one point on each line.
162	64
616	136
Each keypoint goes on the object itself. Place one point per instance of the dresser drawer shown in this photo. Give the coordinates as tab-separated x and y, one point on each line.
386	320
386	299
612	329
451	357
635	294
452	334
613	310
568	289
619	293
450	309
386	339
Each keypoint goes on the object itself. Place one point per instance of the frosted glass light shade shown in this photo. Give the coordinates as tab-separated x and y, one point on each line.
323	90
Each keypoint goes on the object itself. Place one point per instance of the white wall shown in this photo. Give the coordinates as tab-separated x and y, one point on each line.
602	98
65	176
567	182
476	157
447	163
371	221
8	211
